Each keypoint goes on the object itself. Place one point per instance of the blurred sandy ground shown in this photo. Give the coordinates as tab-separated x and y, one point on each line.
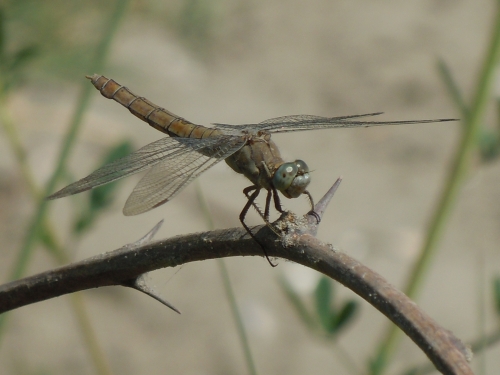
269	59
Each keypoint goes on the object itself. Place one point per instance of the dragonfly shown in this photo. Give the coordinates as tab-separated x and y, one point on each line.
173	162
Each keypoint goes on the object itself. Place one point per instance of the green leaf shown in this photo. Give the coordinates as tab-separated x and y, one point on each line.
489	144
46	240
118	151
377	364
496	294
452	87
22	56
346	314
83	223
101	197
12	67
323	298
2	34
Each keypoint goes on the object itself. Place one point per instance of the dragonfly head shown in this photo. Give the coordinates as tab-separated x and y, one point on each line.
292	178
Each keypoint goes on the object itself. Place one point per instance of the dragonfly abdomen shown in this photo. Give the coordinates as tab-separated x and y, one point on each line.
159	118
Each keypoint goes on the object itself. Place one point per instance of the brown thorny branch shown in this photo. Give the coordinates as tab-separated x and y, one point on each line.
127	266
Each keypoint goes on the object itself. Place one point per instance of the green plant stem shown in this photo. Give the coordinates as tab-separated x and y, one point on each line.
35	225
451	190
99	361
17	148
69	140
58	252
237	317
228	289
481	307
22	161
87	331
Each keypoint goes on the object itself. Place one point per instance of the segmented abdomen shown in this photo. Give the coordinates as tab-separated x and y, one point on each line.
159	118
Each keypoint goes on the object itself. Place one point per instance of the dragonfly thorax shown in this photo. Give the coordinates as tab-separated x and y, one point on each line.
292	178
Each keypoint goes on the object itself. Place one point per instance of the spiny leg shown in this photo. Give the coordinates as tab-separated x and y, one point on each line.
268	203
243	214
277	202
312	212
246	191
265	215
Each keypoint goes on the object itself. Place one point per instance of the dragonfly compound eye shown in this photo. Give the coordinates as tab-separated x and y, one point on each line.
298	185
284	176
300	181
292	178
303	168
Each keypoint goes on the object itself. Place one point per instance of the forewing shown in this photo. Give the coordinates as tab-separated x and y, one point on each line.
170	176
163	149
298	119
292	120
308	122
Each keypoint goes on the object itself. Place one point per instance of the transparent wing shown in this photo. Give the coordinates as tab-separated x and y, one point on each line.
167	178
297	119
308	122
165	149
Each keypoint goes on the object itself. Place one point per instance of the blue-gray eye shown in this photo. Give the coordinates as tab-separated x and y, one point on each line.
284	176
298	186
303	168
300	181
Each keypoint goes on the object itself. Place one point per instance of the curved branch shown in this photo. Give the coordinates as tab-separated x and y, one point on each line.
122	266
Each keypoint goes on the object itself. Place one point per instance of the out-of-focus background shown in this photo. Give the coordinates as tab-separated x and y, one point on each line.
243	62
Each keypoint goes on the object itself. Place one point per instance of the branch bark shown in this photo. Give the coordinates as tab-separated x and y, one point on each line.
297	243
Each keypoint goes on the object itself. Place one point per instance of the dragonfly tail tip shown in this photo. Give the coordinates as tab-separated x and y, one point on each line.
92	77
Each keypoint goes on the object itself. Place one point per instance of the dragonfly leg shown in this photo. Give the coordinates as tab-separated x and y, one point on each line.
277	202
268	203
246	191
312	212
265	215
251	199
